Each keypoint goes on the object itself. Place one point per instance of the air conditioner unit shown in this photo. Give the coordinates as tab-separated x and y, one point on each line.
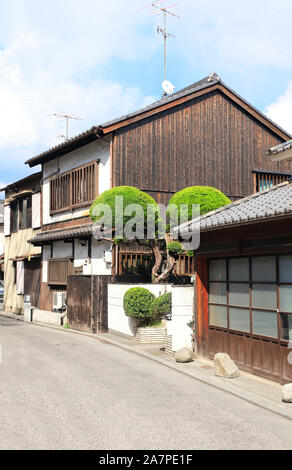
59	299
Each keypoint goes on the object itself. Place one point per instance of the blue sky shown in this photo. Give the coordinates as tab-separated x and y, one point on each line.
99	60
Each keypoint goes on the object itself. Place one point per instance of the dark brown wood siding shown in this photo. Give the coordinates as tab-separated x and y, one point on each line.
207	141
87	301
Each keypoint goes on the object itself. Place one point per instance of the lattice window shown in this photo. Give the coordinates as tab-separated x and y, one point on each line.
265	180
77	188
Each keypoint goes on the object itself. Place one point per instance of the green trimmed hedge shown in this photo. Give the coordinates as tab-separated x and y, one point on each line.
130	196
162	306
138	303
206	197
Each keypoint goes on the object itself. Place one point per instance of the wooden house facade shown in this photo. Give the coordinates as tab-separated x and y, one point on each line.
22	260
203	135
244	283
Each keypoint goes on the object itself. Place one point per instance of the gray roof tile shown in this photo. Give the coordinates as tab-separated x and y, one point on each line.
274	202
281	148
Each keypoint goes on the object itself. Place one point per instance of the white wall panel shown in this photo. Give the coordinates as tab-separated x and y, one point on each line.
36	210
7	220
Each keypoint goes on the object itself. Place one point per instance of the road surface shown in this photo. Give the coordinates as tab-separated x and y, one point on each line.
59	390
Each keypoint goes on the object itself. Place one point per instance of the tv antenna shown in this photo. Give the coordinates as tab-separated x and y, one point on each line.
167	11
67	118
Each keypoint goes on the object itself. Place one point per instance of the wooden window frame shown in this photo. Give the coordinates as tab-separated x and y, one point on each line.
73	179
28	215
269	179
250	308
14	213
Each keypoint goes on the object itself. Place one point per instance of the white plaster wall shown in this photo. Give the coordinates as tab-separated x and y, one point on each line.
80	253
99	150
36	210
62	250
98	266
117	320
95	266
7	220
46	317
182	314
46	256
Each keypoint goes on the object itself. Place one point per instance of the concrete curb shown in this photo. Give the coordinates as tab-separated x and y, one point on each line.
245	396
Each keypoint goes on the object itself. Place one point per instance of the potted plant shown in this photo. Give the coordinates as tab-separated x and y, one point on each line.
141	305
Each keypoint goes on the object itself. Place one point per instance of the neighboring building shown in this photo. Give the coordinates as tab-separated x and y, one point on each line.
244	283
70	184
22	261
281	152
203	135
1	240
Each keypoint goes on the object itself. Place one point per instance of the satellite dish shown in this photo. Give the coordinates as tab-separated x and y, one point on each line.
168	87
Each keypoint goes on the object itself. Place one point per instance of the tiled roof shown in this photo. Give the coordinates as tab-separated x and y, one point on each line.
53	235
272	203
281	148
19	182
93	133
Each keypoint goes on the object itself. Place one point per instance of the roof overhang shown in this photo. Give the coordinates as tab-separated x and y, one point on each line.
281	152
253	209
284	156
14	186
73	144
254	221
84	231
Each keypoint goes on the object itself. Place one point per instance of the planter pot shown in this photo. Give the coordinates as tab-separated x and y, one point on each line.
151	335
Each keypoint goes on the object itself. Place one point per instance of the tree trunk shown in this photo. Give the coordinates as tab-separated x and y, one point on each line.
158	260
168	270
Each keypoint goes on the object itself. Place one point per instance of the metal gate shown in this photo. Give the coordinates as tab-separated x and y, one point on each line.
87	302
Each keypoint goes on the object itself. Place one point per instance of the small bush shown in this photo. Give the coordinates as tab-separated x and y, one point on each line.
190	253
138	304
162	306
175	247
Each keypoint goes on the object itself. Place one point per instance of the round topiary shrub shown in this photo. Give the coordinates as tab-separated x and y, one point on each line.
162	306
206	197
138	303
128	195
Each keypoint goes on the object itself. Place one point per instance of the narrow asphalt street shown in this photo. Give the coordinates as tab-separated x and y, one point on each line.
64	391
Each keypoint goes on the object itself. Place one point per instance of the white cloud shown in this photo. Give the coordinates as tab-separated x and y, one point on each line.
51	58
236	35
281	110
53	54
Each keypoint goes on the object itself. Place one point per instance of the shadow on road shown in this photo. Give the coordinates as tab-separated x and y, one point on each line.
8	322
